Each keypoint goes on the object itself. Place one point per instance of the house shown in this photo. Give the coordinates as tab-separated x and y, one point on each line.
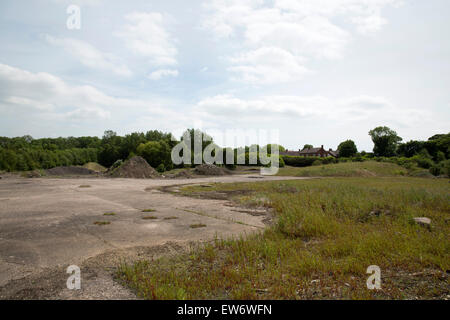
312	152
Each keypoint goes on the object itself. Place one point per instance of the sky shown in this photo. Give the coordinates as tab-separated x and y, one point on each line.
316	71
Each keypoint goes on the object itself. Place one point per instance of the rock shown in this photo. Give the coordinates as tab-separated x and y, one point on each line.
423	221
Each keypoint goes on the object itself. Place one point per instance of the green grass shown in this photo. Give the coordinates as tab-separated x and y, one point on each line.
84	186
170	218
150	218
148	210
109	214
346	169
94	166
326	233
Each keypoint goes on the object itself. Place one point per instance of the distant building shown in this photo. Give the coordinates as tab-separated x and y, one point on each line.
312	152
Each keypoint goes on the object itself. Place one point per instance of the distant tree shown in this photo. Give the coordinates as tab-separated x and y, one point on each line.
110	148
438	142
269	148
307	146
385	141
410	148
440	156
347	148
130	143
156	153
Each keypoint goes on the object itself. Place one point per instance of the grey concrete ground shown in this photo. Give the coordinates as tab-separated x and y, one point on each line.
48	224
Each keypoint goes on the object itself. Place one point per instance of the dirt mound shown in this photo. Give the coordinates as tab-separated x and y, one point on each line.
69	171
210	170
94	166
185	174
135	167
33	174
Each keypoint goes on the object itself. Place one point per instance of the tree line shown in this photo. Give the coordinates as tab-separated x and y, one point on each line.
26	153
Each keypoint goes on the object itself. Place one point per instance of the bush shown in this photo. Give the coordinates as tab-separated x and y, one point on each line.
436	170
423	162
445	167
281	163
116	164
161	168
297	161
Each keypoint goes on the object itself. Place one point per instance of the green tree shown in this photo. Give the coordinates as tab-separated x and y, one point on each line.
307	146
156	153
385	141
410	148
347	148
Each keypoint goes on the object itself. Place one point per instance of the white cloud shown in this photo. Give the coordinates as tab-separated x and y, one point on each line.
80	2
83	114
90	56
228	108
43	93
158	74
304	28
146	36
267	65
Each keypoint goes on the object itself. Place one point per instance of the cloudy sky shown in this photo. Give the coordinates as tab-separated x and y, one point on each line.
319	71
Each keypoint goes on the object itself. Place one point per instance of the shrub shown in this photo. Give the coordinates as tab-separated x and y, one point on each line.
440	156
161	168
445	165
116	164
423	162
281	162
436	170
297	161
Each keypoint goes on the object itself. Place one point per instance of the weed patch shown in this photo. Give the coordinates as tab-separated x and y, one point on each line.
326	232
150	218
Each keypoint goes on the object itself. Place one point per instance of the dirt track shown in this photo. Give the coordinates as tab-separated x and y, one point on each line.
48	224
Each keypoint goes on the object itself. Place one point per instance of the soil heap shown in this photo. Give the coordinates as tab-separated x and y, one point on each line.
136	167
210	170
69	171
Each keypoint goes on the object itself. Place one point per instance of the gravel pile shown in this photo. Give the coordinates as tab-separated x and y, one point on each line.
135	167
210	170
69	171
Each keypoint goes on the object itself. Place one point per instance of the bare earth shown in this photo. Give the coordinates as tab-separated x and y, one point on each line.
48	224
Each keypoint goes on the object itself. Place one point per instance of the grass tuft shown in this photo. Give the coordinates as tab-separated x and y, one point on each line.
150	218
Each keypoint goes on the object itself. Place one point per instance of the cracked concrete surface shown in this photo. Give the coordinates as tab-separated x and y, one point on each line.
48	224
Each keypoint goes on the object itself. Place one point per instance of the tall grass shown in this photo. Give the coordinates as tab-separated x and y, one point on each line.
327	232
346	169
